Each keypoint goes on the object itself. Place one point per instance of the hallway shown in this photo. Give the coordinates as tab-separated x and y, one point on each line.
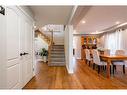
84	77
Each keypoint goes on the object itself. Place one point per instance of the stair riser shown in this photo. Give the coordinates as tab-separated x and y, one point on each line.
57	62
57	50
53	60
58	46
56	65
57	57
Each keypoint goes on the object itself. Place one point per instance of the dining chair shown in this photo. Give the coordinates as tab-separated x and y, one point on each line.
119	63
88	57
97	61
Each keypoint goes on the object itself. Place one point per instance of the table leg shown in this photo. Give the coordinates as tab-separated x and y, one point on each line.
108	68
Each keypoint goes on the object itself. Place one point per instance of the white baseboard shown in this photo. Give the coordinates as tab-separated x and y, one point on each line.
39	59
69	71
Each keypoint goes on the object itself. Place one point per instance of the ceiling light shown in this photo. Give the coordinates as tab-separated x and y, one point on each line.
117	22
35	27
44	28
83	21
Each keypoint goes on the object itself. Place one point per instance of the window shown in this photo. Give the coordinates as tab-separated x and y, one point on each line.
115	40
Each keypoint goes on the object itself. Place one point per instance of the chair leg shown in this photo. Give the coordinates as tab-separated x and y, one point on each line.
124	69
86	61
103	67
113	69
110	70
98	69
93	66
89	63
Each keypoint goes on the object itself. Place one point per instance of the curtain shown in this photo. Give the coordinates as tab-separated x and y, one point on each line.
115	40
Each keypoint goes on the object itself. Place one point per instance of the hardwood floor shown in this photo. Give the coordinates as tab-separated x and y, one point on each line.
84	77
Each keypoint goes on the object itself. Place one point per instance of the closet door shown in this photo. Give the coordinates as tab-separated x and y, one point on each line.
26	50
12	38
2	51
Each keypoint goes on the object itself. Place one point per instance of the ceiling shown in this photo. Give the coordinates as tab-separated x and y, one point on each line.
51	14
101	17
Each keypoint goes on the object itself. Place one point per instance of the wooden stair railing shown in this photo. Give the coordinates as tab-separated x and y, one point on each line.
49	40
50	48
49	52
43	36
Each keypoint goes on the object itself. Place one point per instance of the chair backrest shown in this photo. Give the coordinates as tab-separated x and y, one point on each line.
87	54
96	58
120	52
107	52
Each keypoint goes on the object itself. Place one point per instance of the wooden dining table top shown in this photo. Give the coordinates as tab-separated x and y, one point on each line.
121	57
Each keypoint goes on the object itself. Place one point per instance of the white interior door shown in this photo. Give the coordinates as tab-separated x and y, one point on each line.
19	41
26	50
12	38
2	52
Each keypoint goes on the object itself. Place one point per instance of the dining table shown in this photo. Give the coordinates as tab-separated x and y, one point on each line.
109	59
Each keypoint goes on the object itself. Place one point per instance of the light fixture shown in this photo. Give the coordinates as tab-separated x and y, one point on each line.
117	22
83	21
44	28
35	26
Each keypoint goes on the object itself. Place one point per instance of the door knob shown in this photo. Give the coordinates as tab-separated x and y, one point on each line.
21	54
25	53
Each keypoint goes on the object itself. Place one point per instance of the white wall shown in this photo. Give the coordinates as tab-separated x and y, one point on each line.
58	38
77	46
68	45
58	33
39	44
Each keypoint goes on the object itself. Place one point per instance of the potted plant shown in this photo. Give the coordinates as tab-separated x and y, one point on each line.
44	54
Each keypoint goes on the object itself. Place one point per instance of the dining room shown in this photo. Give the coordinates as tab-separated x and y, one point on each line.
99	41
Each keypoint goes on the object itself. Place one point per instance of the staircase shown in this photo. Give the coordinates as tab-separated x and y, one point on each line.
43	36
57	56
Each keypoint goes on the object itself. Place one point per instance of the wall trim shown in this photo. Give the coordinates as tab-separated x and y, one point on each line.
69	71
25	13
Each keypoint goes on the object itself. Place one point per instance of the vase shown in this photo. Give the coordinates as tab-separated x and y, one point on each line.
44	59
